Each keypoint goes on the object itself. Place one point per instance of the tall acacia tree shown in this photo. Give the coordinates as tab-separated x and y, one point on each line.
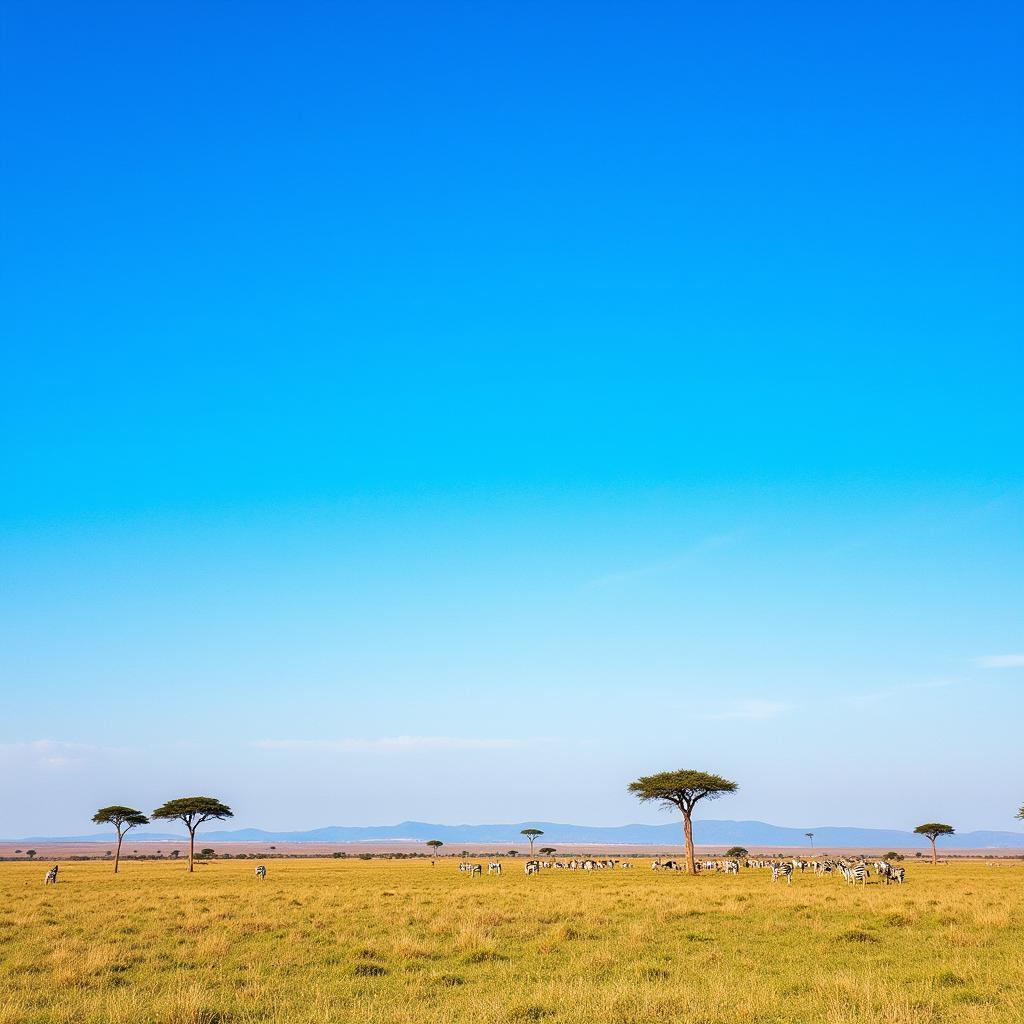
192	811
123	819
932	830
1020	813
532	834
435	845
682	790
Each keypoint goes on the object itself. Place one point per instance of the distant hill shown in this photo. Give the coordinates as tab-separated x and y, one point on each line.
706	833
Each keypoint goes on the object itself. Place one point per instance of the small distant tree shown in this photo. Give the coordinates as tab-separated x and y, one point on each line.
207	852
123	819
513	853
30	854
682	790
532	834
931	831
737	851
546	850
893	855
192	811
1020	813
435	845
175	854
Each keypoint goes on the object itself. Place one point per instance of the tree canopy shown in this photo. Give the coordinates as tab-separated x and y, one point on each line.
122	818
681	789
934	829
737	851
1020	813
193	810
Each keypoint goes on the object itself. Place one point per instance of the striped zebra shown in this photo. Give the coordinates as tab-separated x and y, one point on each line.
494	868
783	870
261	872
51	876
856	873
532	867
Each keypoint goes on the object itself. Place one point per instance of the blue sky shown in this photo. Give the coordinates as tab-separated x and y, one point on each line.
454	412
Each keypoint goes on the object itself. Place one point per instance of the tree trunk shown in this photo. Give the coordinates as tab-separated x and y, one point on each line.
117	856
691	863
935	856
191	847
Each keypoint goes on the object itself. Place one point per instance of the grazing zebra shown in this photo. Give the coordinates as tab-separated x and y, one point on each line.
857	873
784	870
532	867
494	868
476	870
261	872
895	875
51	876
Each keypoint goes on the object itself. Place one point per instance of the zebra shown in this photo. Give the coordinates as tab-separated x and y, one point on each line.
261	872
51	876
475	870
494	868
857	873
895	875
785	870
532	867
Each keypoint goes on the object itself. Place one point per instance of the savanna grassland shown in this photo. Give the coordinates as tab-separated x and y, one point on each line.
329	941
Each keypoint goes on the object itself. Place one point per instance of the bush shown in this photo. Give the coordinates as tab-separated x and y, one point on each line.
737	851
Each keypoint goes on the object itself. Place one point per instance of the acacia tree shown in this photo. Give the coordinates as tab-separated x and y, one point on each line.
682	790
532	835
123	819
1020	813
932	830
435	845
546	850
192	811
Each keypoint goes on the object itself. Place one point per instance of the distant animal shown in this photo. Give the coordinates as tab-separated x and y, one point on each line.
475	869
532	867
494	868
51	876
261	872
856	873
783	870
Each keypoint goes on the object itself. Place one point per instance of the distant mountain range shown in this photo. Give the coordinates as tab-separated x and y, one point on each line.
706	833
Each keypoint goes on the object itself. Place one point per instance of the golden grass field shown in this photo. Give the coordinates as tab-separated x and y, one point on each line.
330	941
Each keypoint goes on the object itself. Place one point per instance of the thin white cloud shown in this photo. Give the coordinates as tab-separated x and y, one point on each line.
664	566
389	744
52	755
751	710
1001	661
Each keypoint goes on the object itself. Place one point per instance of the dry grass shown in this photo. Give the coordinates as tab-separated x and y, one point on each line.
327	941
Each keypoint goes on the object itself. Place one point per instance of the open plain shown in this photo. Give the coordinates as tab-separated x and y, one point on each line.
397	942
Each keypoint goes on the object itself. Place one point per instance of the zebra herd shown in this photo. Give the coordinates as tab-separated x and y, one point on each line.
533	867
852	871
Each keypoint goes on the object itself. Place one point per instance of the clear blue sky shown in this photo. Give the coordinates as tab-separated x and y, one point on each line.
454	411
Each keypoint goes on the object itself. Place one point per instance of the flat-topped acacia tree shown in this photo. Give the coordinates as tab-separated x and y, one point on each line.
435	845
123	819
532	834
1020	813
932	830
682	790
192	811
